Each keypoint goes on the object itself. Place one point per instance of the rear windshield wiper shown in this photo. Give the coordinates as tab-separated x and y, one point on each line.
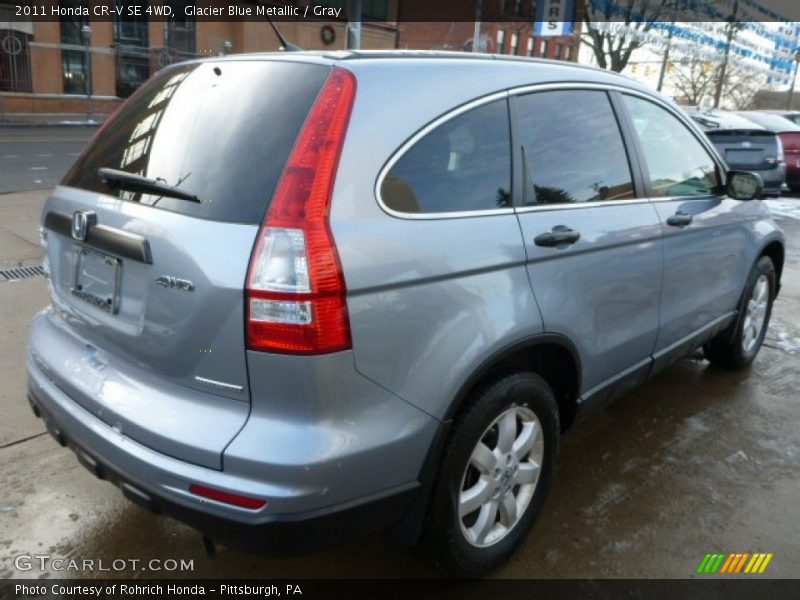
136	183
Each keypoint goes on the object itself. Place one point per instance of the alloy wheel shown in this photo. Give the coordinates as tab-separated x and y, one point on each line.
501	477
755	314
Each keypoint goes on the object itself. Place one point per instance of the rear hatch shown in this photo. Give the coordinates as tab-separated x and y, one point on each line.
747	149
150	287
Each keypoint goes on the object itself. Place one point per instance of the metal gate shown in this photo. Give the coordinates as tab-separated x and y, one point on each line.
15	61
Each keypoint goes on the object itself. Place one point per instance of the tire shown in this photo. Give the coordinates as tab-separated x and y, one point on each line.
737	346
453	542
795	188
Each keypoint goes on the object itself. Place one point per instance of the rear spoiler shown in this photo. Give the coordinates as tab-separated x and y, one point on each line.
745	132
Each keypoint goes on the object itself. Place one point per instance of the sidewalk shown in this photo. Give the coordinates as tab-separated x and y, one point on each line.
20	213
51	119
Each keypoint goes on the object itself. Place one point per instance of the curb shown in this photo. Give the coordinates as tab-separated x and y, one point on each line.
63	124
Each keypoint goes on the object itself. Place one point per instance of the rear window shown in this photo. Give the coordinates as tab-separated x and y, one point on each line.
221	131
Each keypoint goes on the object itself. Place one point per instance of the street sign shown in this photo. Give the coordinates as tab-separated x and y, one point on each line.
554	18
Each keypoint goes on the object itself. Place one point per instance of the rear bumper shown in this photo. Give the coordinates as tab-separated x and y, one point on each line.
332	454
773	181
160	484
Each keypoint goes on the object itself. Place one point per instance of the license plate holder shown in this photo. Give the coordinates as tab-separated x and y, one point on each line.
96	279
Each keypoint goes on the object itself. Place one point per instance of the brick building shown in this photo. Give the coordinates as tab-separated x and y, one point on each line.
507	28
502	37
85	66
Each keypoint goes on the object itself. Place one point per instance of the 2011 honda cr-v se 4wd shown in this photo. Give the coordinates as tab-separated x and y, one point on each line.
310	295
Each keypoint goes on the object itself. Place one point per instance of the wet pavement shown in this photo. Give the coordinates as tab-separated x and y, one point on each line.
698	460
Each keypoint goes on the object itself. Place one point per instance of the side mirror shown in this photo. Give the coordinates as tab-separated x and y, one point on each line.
743	185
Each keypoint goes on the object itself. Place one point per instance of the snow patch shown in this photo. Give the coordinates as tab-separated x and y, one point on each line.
778	337
613	494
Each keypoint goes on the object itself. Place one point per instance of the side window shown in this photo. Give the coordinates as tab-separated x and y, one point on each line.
573	147
678	163
462	165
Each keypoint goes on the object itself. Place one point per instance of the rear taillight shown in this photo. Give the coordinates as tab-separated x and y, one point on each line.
295	288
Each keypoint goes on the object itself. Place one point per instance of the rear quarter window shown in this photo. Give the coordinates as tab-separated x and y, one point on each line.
462	165
221	131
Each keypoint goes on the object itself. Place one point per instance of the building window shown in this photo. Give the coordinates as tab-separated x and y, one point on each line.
182	29
501	41
559	51
131	31
570	52
15	61
74	72
530	46
514	43
543	49
72	26
133	55
375	9
74	62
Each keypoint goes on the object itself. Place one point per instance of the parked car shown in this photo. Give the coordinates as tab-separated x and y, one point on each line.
745	145
789	133
289	305
792	115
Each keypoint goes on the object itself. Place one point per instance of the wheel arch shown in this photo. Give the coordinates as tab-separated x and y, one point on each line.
552	356
776	251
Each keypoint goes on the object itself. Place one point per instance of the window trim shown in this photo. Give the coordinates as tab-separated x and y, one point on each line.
631	155
631	143
645	169
408	144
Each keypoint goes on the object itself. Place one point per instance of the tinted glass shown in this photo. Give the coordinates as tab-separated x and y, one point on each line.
573	148
220	131
678	163
462	165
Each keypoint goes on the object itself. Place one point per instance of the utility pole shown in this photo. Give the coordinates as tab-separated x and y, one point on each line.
665	62
476	34
86	35
722	71
794	80
353	24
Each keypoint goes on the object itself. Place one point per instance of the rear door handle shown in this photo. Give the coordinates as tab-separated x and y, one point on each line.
561	235
679	219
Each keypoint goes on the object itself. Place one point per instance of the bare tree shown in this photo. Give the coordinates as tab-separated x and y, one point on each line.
695	81
740	87
613	46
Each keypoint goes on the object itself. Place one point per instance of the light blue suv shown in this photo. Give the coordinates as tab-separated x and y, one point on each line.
297	297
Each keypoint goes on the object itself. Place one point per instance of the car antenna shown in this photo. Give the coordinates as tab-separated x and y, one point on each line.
286	46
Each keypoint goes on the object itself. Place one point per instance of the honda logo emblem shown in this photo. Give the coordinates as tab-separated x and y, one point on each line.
81	221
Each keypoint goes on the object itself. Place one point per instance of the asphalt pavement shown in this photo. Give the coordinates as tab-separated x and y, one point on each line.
698	460
36	158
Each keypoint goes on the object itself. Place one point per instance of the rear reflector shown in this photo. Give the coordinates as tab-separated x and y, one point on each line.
295	287
226	497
